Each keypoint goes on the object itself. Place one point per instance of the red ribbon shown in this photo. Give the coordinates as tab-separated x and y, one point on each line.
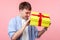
40	18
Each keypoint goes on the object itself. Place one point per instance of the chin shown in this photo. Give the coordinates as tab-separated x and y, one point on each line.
26	18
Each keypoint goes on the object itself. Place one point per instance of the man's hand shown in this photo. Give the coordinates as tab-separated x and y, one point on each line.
41	32
27	22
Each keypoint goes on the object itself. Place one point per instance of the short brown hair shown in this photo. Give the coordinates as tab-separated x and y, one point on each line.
25	5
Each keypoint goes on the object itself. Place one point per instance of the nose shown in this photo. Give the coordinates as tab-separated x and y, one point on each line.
28	14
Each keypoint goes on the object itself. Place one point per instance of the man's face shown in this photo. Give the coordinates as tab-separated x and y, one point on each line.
25	13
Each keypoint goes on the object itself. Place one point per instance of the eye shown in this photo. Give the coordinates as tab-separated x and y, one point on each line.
28	12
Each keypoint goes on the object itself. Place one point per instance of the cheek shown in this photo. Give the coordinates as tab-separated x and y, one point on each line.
24	15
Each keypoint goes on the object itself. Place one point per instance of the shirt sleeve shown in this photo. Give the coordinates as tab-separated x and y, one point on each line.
11	27
36	32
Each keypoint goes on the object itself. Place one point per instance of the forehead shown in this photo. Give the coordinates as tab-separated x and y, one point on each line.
26	10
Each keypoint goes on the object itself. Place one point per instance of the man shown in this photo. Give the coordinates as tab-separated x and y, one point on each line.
19	28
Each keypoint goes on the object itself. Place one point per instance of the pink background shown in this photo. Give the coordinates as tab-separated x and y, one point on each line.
9	9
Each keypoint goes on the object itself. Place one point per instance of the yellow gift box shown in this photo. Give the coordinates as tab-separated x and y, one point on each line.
39	19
